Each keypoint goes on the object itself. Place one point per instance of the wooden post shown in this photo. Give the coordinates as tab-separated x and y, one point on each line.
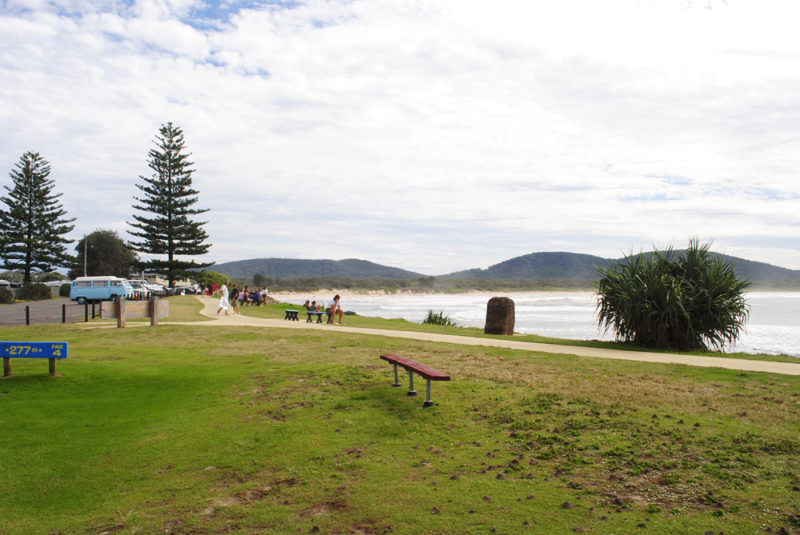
121	312
154	311
6	367
52	367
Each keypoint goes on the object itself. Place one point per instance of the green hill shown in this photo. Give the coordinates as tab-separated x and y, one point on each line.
581	267
287	268
548	266
539	266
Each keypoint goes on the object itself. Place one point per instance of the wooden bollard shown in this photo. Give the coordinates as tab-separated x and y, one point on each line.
121	312
153	311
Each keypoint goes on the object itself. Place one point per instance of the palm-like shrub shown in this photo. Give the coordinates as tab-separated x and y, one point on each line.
676	300
438	318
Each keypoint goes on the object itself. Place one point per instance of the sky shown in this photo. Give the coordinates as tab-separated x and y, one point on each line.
429	135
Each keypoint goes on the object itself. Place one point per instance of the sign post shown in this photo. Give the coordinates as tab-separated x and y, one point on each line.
32	350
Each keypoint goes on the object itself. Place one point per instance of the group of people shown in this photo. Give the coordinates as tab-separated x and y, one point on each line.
253	297
237	297
333	308
234	297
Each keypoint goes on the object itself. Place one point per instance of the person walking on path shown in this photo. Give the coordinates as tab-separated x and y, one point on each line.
223	302
334	308
235	299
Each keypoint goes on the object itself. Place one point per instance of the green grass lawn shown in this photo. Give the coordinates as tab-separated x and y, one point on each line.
195	429
276	311
181	308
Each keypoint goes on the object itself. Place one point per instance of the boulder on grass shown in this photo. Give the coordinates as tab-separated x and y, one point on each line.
499	316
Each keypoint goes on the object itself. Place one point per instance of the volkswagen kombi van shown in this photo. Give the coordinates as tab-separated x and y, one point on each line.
107	288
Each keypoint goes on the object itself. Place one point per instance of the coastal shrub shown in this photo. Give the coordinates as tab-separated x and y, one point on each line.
63	290
6	296
35	292
438	318
683	301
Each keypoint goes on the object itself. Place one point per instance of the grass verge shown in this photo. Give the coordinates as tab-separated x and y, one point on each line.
276	311
188	429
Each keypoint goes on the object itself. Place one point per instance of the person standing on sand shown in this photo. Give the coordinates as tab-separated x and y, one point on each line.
333	308
223	302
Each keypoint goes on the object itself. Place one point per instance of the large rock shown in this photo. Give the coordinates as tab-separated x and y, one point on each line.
499	316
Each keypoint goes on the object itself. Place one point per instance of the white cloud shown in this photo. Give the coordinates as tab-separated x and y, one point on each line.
433	136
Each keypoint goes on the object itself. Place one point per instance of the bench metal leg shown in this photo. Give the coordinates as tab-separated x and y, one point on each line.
309	319
396	379
319	318
411	391
428	402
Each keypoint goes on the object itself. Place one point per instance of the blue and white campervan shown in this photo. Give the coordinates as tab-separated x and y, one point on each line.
108	288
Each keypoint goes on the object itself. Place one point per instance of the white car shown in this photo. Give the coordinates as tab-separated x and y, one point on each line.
156	289
140	289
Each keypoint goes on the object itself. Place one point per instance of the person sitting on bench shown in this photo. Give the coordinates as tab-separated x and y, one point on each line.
334	308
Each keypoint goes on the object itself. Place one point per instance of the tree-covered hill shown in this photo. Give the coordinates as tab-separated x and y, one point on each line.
580	267
287	268
557	268
539	266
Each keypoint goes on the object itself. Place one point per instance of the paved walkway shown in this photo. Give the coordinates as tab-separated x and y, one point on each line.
44	311
786	368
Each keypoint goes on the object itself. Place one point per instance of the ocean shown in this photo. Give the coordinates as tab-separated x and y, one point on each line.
773	326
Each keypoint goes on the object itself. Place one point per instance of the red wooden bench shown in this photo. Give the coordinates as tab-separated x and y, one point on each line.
412	366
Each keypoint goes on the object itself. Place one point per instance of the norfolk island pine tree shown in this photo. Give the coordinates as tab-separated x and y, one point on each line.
33	225
166	226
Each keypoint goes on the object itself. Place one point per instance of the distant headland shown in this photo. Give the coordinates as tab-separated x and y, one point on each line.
534	271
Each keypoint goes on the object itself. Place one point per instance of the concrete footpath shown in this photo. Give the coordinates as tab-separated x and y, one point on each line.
786	368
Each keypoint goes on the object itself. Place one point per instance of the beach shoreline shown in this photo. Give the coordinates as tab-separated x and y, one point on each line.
567	314
329	293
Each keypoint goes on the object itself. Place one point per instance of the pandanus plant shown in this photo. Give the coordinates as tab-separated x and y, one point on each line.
686	300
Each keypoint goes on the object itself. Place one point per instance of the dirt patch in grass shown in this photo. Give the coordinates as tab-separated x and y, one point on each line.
324	508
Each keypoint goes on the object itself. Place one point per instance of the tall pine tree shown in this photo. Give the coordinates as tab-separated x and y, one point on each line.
166	227
32	224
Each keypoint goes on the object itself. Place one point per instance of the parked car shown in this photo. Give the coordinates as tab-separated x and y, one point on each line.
177	290
156	289
103	288
140	289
